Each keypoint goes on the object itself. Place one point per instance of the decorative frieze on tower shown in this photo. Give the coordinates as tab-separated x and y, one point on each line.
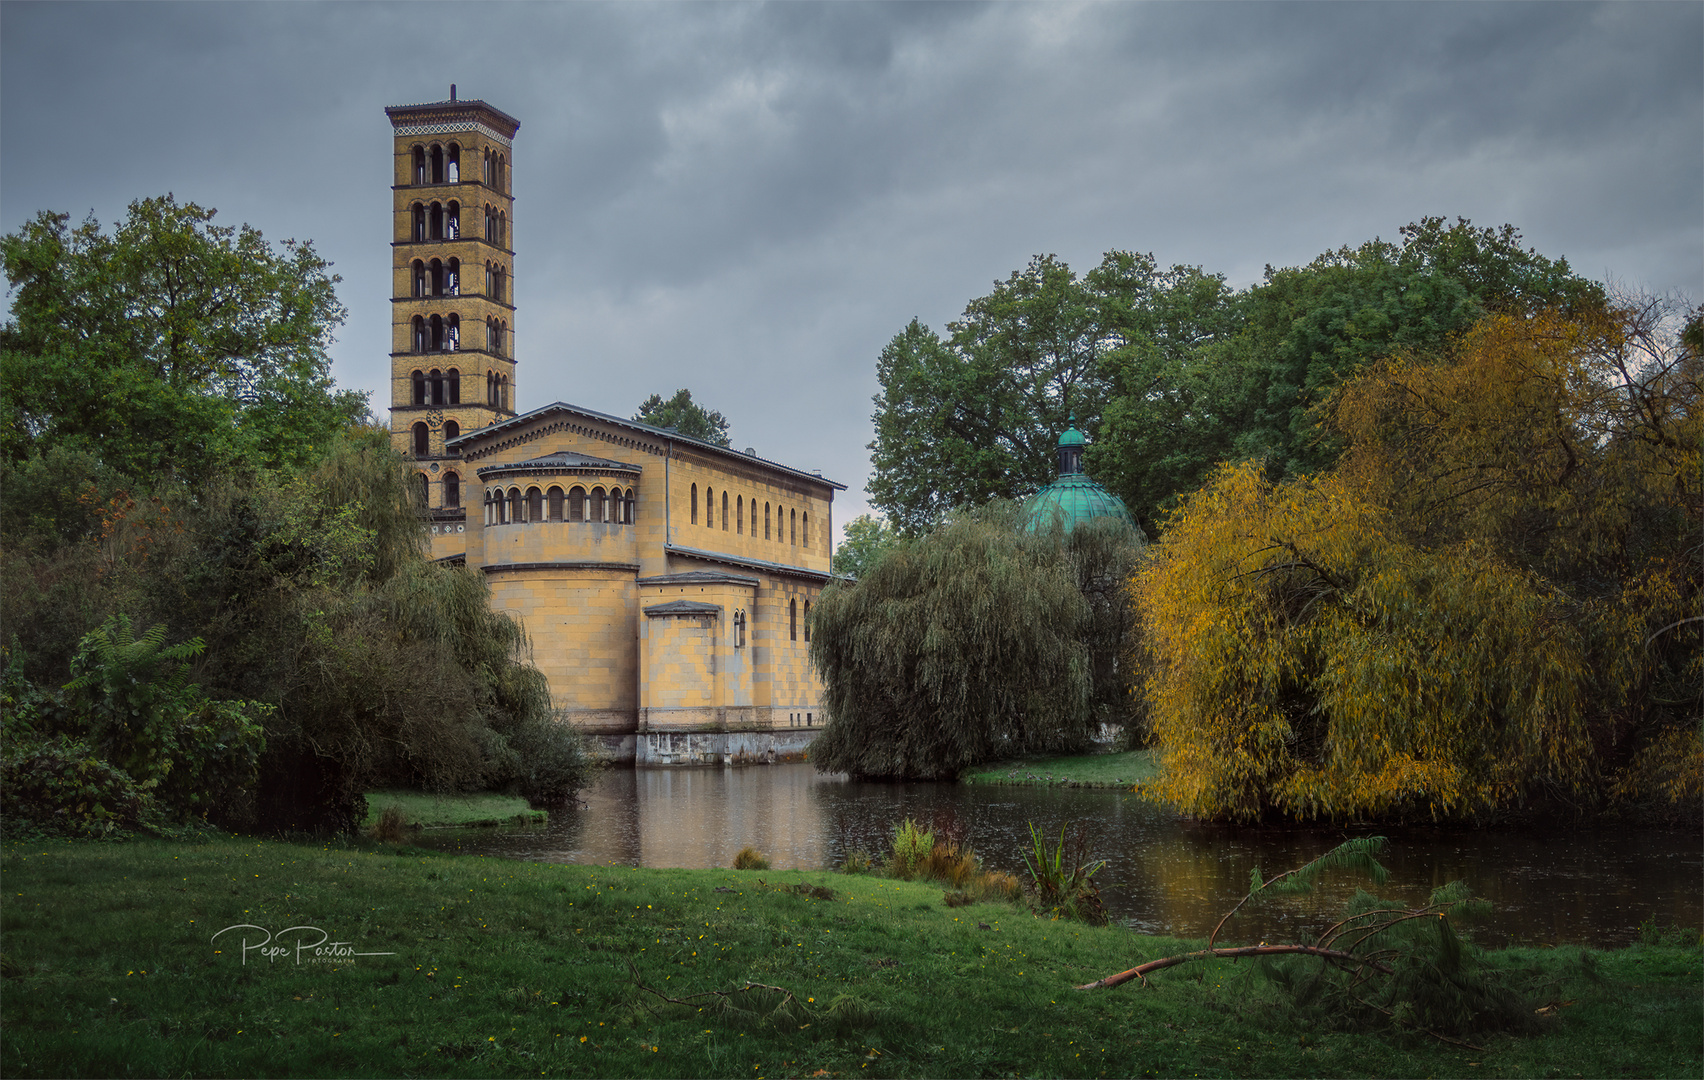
452	291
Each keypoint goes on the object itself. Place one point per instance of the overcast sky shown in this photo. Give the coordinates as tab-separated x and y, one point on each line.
751	200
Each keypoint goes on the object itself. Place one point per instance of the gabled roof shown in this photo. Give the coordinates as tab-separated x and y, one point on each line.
562	459
684	607
470	438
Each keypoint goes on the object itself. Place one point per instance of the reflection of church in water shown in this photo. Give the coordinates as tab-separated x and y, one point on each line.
666	583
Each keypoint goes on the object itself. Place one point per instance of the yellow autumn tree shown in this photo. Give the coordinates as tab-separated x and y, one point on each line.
1492	598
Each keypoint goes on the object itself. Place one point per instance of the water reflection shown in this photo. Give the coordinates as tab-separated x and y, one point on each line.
1163	875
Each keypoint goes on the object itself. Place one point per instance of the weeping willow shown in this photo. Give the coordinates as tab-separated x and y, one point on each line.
971	644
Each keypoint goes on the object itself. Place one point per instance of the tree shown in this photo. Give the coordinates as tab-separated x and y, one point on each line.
868	540
974	643
685	416
1486	602
976	416
170	346
1237	377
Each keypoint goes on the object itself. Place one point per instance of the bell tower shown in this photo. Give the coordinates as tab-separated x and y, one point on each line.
452	292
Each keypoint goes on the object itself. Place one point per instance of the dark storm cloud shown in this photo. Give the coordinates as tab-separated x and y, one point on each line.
751	199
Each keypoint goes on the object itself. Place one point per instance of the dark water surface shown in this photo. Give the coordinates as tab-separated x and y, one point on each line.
1164	876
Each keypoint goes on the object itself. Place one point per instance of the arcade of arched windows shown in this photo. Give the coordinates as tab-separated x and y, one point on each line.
439	277
440	163
498	391
437	333
496	225
437	387
576	505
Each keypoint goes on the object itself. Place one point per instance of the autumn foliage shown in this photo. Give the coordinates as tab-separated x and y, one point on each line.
1490	601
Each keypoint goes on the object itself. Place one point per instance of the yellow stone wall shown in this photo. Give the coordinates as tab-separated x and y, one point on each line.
583	624
686	671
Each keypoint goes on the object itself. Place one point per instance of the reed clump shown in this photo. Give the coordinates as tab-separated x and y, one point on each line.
391	827
749	858
937	853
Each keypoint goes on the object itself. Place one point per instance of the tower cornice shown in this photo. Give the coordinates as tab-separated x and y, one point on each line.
444	117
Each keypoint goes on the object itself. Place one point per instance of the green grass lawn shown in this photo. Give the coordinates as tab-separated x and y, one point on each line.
431	811
114	966
1092	770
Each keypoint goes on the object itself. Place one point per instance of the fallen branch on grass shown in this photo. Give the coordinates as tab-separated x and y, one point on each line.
1141	971
1410	959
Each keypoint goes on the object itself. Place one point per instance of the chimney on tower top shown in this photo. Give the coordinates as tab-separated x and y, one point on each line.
452	91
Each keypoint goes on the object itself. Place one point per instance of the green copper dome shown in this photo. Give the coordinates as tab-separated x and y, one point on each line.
1074	497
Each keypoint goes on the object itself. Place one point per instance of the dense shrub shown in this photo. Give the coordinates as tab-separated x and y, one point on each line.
61	786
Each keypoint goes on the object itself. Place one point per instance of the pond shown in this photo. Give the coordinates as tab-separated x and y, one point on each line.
1590	886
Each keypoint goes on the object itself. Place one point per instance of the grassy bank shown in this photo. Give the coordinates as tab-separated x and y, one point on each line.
1092	770
497	968
424	810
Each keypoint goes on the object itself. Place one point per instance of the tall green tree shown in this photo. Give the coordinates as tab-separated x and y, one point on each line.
685	416
168	346
976	415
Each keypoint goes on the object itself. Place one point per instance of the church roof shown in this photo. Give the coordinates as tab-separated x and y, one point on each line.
468	439
1074	497
1071	499
561	459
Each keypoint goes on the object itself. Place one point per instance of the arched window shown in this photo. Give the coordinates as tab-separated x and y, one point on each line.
515	515
766	521
793	527
805	528
436	325
792	620
695	504
599	509
555	497
499	509
452	221
490	223
724	511
419	388
490	514
435	221
419	334
452	387
418	231
434	387
451	430
435	277
454	172
452	333
486	175
576	503
422	440
709	507
807	620
739	515
425	486
452	278
437	159
419	278
419	165
535	504
491	389
452	490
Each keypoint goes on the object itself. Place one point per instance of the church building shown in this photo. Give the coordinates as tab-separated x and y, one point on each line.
666	583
